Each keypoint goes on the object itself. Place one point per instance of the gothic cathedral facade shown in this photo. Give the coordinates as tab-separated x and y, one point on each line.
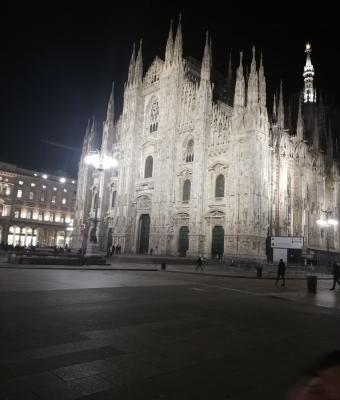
204	167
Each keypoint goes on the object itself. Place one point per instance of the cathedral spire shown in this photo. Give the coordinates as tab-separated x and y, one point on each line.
299	124
262	86
280	110
178	49
206	62
139	65
274	116
253	92
230	81
239	96
110	106
169	50
308	75
132	66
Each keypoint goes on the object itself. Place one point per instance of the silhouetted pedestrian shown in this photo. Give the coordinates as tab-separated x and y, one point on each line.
113	250
119	249
199	263
336	275
281	272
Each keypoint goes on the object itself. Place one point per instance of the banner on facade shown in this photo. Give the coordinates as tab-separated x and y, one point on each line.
287	242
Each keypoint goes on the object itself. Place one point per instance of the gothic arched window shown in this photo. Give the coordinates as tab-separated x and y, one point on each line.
114	196
154	117
189	154
148	167
186	190
219	186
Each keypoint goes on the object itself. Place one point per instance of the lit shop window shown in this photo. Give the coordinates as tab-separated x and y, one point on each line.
40	216
19	194
29	214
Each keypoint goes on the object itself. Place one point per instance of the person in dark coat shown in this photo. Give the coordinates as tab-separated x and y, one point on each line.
199	263
336	275
113	249
281	272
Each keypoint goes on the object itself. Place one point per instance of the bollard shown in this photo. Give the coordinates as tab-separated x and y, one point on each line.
312	283
259	272
163	266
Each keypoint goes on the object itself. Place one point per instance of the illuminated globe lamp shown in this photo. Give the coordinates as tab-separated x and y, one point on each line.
101	162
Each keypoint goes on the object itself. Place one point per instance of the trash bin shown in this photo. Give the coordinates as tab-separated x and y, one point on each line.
312	283
163	266
259	272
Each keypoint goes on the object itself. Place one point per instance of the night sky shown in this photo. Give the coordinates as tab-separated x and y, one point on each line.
58	63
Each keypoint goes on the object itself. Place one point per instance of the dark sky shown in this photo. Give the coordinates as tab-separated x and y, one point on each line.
58	61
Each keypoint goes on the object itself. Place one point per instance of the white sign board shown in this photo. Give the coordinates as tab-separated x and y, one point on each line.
278	254
287	242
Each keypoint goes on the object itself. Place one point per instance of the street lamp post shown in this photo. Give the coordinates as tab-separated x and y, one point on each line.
327	223
101	162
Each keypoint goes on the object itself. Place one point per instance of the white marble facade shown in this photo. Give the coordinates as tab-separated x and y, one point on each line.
205	170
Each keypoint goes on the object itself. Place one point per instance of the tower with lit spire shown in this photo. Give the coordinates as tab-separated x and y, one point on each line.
309	95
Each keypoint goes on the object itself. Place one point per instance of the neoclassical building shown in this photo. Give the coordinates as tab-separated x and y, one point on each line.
36	208
205	166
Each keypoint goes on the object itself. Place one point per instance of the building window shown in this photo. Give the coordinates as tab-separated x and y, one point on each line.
51	217
16	213
65	190
63	201
8	190
33	184
55	189
29	214
154	117
42	197
186	190
53	199
19	194
148	167
62	219
113	202
21	182
219	186
189	154
31	196
40	216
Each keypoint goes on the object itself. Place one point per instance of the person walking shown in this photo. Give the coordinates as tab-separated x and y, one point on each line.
281	272
336	275
199	263
113	250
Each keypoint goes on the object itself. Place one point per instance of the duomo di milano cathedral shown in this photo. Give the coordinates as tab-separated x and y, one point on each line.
205	166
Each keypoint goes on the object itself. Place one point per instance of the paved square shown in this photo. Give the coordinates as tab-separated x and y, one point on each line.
68	334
